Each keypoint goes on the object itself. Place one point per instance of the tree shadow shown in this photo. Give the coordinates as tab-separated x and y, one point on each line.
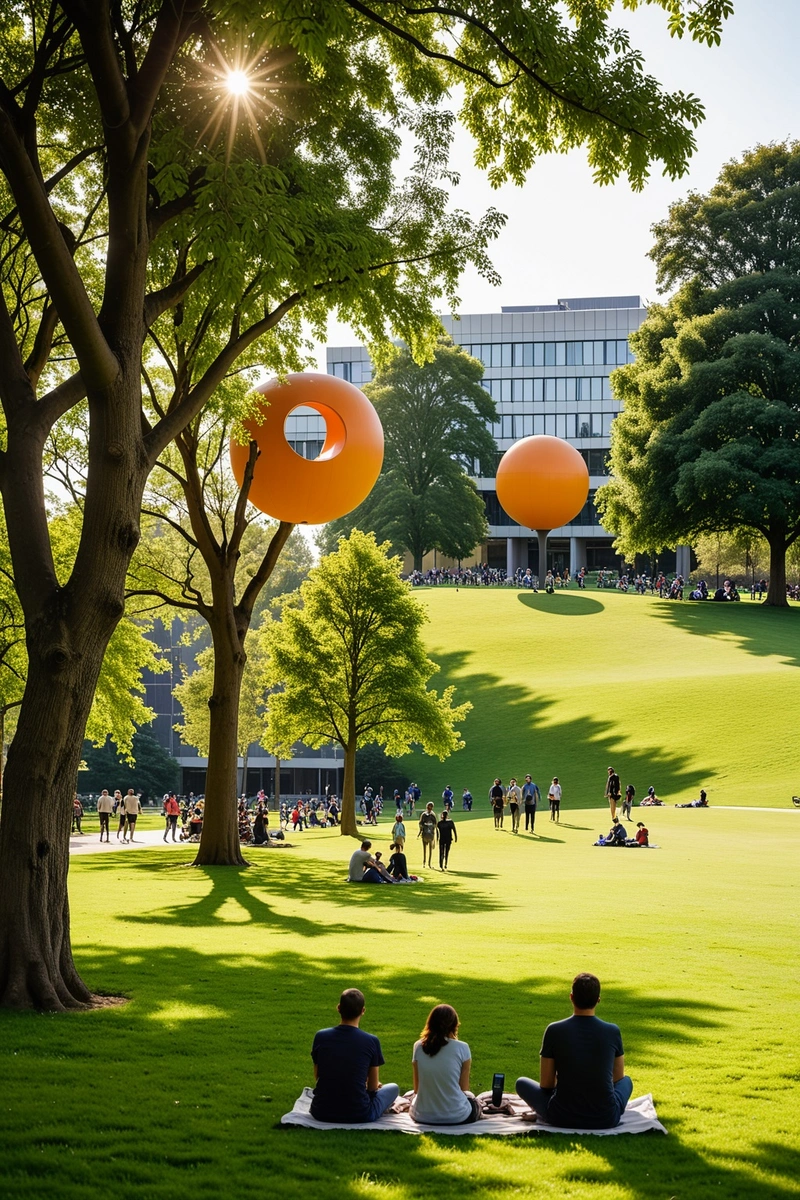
212	1049
245	896
560	603
759	630
578	751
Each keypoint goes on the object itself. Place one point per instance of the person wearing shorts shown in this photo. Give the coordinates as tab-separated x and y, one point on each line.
554	796
119	809
171	813
427	831
612	791
105	807
131	807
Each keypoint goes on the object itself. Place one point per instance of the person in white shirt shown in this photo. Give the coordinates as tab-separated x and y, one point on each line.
514	798
132	808
554	796
441	1073
105	807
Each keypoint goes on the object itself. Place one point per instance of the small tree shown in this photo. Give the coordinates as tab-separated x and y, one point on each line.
434	420
151	770
352	667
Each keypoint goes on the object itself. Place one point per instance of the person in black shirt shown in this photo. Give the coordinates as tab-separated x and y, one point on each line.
346	1067
446	832
583	1084
497	797
612	791
398	866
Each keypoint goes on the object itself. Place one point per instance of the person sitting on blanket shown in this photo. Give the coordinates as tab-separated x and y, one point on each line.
583	1084
347	1062
616	835
701	803
366	869
441	1073
642	834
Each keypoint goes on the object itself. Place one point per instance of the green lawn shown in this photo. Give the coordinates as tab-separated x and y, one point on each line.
178	1093
674	695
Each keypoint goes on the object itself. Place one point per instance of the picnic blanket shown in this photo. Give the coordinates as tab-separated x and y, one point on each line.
639	1117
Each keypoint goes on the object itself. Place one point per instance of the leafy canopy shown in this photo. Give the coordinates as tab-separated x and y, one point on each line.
434	420
350	662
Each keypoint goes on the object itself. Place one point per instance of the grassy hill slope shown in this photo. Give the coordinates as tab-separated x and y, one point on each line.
677	695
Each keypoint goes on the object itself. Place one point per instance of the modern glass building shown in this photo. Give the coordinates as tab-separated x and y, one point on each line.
547	367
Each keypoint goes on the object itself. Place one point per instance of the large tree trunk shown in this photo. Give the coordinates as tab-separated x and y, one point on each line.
219	843
776	593
348	826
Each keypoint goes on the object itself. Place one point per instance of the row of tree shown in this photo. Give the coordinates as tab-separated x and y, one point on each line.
152	252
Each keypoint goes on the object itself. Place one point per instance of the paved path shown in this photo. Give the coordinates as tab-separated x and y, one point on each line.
89	843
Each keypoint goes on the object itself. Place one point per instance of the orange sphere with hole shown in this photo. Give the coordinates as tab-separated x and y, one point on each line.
542	482
302	491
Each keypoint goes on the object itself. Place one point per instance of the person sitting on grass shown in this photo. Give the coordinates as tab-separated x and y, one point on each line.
398	864
642	834
347	1063
441	1073
701	803
616	836
366	869
651	799
583	1084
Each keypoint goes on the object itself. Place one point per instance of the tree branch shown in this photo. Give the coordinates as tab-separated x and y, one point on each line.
167	297
173	24
267	566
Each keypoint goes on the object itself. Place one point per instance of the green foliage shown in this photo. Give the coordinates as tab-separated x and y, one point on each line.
149	770
434	420
375	767
709	439
196	689
351	664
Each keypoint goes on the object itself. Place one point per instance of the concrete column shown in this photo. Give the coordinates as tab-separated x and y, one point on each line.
683	560
577	555
510	564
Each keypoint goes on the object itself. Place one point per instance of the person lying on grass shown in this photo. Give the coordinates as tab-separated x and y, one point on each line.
441	1073
701	803
347	1063
366	869
582	1080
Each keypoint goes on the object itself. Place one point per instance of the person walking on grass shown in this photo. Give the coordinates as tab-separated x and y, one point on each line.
427	831
132	808
497	799
612	791
446	833
530	798
627	803
105	807
582	1080
554	797
347	1064
514	797
399	831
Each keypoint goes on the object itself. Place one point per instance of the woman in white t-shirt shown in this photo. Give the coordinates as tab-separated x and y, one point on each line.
441	1073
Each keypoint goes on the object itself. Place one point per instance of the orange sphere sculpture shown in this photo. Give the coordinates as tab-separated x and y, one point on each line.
542	482
301	491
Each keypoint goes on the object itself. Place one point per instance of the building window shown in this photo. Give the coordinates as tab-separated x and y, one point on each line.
611	353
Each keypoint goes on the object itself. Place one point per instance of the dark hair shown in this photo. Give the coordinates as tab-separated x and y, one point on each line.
585	990
366	845
442	1023
351	1004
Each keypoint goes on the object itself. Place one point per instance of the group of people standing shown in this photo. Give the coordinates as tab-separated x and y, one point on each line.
527	797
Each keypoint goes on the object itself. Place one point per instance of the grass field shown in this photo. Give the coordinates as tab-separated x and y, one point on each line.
178	1093
674	695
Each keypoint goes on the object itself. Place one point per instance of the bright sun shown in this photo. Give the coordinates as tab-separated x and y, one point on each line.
237	83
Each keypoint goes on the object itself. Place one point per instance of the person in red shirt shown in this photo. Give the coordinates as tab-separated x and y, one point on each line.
642	834
171	813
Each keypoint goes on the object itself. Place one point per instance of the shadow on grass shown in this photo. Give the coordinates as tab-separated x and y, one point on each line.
512	717
561	604
309	882
758	630
212	1050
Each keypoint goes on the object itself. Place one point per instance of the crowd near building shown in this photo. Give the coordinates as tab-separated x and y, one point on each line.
547	366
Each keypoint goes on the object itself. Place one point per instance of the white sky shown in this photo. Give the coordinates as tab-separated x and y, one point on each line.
565	236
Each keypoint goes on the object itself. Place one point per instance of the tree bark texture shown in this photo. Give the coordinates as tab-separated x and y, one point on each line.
776	592
67	631
219	842
348	826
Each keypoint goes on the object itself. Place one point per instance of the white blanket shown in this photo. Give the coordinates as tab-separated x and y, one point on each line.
639	1116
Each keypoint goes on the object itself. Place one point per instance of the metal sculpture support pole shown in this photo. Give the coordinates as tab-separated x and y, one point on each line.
542	536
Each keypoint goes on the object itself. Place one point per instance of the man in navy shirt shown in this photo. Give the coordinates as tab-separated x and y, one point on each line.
346	1066
583	1084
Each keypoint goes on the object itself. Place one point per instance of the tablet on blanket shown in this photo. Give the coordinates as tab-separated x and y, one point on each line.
639	1117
